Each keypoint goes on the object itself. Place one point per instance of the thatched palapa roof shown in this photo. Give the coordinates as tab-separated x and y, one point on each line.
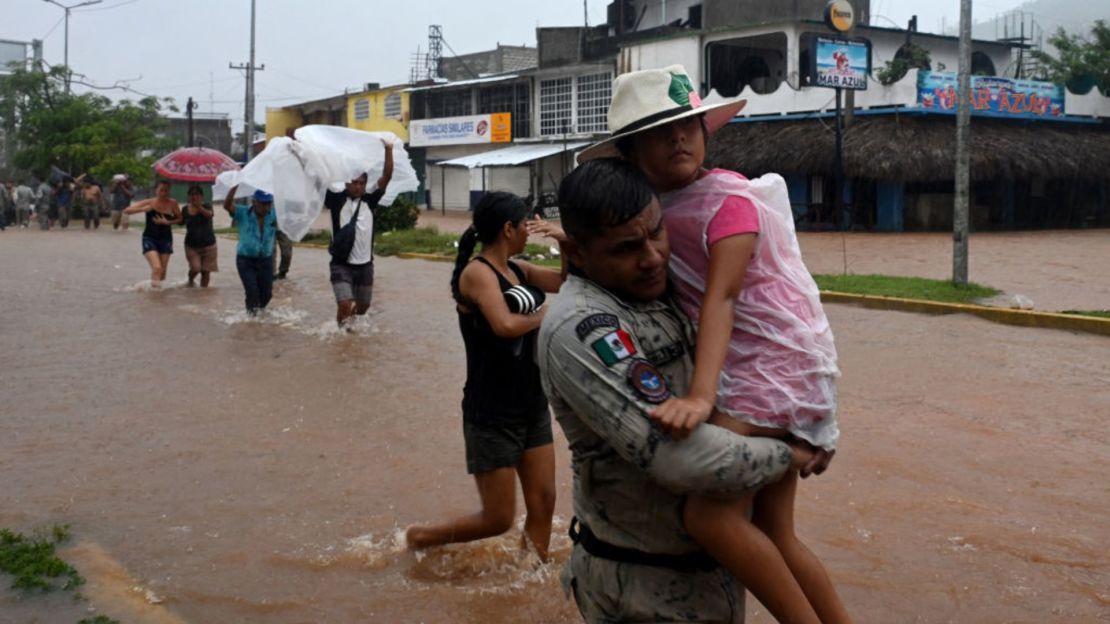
915	148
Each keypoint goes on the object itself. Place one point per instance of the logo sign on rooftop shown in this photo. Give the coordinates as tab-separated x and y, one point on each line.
840	16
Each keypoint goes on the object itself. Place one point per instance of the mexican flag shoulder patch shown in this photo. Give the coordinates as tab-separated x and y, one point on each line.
614	347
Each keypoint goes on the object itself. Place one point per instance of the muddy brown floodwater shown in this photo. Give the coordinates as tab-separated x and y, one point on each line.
216	469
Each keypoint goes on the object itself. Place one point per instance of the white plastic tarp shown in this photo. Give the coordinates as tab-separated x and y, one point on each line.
299	172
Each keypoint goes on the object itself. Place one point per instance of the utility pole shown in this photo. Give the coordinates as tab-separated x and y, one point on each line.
963	159
248	122
189	106
67	10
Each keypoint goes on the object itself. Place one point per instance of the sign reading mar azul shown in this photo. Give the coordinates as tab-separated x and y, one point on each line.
491	128
837	62
991	95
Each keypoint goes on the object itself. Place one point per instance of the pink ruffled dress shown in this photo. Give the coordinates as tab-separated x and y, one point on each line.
780	370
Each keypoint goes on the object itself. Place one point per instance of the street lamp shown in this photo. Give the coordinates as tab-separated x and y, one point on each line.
67	10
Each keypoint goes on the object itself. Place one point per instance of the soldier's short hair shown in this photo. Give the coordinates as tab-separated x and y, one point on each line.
599	194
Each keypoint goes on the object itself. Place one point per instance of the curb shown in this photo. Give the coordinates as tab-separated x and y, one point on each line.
410	255
1022	318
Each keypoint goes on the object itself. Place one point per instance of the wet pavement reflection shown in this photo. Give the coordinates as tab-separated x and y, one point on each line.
217	468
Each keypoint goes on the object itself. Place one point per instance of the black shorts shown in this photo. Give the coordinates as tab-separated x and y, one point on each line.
352	282
493	446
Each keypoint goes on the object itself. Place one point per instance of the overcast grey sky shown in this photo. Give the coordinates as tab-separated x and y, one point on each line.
311	48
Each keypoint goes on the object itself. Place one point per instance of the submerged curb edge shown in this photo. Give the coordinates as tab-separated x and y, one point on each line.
1022	318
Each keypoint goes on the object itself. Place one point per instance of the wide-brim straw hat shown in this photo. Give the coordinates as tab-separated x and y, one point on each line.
649	98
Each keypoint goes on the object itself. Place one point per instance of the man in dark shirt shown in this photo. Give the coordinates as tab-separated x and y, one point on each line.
122	192
352	278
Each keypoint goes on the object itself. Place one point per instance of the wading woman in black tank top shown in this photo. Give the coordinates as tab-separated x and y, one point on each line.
506	423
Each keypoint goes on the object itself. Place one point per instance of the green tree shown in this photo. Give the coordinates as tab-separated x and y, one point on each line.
909	56
78	133
1081	62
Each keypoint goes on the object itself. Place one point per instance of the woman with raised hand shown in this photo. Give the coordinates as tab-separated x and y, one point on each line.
162	212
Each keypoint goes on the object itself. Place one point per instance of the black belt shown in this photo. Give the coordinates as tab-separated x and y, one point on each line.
693	562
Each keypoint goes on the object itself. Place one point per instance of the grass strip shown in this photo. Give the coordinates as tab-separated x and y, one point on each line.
429	240
33	561
905	287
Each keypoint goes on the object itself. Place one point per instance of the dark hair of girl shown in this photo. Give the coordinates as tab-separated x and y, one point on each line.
490	215
599	194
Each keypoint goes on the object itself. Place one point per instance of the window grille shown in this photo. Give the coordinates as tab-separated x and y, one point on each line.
362	109
555	106
594	93
393	106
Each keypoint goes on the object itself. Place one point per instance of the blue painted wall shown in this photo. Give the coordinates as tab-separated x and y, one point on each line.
891	204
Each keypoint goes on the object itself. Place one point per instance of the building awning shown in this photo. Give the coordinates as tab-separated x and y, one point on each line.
513	156
466	83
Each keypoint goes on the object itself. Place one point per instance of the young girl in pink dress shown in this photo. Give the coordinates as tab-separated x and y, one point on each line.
765	363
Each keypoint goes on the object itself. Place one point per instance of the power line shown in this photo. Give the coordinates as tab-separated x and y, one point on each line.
54	27
107	8
307	82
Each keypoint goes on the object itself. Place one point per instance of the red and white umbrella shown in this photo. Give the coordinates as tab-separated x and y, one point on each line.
194	164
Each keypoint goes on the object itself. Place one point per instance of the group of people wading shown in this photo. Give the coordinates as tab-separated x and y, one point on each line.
351	268
687	358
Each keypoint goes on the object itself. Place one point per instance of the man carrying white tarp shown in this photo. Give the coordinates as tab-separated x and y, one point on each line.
352	248
301	171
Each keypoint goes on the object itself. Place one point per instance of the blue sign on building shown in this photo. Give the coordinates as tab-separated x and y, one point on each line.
991	95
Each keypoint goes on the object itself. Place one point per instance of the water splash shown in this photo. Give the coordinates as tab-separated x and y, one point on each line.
282	316
152	286
496	565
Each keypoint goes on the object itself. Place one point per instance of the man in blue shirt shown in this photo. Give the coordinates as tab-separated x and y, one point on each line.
257	226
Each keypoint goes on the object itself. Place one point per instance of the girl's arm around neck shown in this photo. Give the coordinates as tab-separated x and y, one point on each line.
728	265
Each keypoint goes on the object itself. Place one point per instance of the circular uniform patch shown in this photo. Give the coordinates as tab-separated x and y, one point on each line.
647	381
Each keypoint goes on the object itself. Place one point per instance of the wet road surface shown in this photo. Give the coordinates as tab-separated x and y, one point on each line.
216	469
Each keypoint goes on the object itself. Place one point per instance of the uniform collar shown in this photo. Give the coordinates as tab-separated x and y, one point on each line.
629	304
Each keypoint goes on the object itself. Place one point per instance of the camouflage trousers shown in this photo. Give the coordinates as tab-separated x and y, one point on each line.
610	591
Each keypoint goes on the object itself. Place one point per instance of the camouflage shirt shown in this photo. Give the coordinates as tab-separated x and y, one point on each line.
605	363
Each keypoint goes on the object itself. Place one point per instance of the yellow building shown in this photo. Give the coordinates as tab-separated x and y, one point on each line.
279	121
373	110
380	110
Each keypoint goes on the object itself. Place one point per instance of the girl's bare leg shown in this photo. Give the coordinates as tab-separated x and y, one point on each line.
205	276
537	480
155	263
497	490
723	530
773	513
165	259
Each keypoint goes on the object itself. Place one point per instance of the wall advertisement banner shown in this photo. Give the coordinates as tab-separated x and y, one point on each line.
991	96
470	129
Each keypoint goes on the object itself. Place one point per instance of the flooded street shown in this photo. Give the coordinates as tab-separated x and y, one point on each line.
218	469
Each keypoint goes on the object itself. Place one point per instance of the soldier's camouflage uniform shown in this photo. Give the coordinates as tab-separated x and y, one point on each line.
630	480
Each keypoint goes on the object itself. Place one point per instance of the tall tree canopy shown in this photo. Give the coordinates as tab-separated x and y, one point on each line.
78	133
1081	62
